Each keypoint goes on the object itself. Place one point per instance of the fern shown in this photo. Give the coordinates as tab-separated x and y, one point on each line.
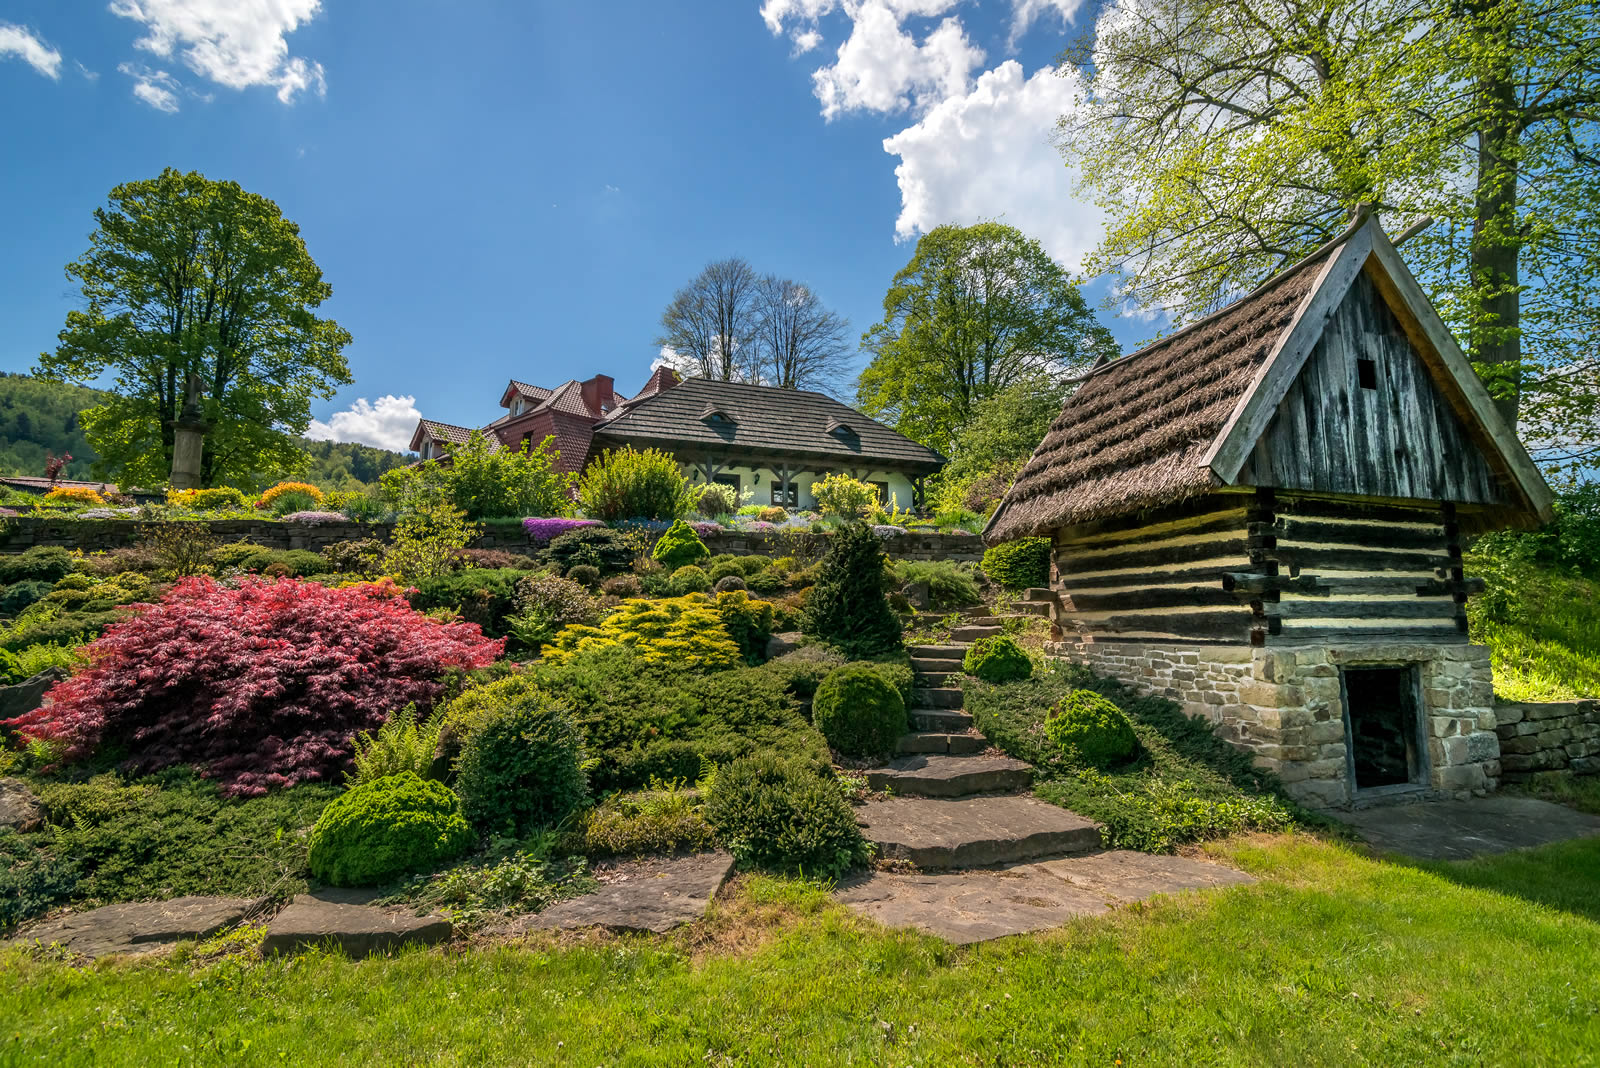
401	744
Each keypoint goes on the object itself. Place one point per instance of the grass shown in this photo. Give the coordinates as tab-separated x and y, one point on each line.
1580	792
1332	958
1542	627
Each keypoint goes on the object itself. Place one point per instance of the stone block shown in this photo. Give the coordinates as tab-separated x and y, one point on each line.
1506	715
1319	793
1461	777
1329	731
1483	746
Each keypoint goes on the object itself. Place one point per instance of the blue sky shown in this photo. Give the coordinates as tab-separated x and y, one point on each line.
512	189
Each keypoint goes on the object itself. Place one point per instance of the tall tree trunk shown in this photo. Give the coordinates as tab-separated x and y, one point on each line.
1496	338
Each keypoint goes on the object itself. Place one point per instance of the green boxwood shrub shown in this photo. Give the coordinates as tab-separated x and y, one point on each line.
749	622
42	563
386	828
859	711
628	483
20	595
299	563
522	756
482	596
997	659
679	547
599	547
785	815
1020	564
217	499
689	579
1085	723
803	670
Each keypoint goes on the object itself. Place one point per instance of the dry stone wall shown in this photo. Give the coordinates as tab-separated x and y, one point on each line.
1557	736
1285	705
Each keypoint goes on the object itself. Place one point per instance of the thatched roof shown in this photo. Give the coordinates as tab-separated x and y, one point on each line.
1135	433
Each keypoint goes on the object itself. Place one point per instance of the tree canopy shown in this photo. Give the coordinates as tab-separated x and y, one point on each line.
186	276
976	310
988	450
1228	138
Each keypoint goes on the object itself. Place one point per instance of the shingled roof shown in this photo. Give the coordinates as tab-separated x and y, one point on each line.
764	419
1176	418
441	432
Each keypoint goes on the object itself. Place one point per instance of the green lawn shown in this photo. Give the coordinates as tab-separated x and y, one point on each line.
1333	958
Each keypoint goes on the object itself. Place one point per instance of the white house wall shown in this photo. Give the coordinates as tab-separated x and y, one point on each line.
760	479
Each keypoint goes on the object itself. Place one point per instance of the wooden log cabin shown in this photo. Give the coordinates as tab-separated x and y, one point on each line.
1262	516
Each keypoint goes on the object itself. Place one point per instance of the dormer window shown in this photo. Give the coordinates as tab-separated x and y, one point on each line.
516	406
843	431
719	419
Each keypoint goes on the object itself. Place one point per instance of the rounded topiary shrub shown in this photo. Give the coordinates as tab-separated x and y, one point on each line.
385	828
521	762
20	595
1020	564
679	547
42	563
1091	728
690	579
785	815
859	711
997	659
728	583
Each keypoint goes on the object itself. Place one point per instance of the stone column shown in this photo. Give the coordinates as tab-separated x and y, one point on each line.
188	438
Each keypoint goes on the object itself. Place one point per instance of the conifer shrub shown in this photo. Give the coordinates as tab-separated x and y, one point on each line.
997	659
729	584
802	671
687	631
522	757
1018	565
847	607
42	563
623	587
75	495
859	711
596	546
259	685
20	595
785	815
547	603
689	579
628	483
679	547
386	828
1092	727
715	500
845	497
773	514
486	598
748	621
585	575
363	557
950	585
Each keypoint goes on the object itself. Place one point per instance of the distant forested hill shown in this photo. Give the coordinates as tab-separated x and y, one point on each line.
38	417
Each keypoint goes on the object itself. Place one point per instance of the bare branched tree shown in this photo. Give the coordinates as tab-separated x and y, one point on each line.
801	343
712	322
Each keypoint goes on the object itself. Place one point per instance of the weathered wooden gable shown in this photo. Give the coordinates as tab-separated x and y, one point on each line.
1364	416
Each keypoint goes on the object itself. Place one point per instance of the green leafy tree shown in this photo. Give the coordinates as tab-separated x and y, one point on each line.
977	309
428	542
191	277
1226	140
988	450
488	482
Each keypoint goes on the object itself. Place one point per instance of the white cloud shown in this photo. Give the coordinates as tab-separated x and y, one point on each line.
386	423
881	67
806	40
236	43
155	87
1024	13
20	42
988	155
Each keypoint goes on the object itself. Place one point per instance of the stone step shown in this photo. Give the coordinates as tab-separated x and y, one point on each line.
985	620
1031	608
936	652
936	775
973	832
936	664
939	742
972	634
943	697
940	719
1039	593
937	680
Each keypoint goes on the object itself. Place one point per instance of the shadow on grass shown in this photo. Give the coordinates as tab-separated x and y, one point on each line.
1564	876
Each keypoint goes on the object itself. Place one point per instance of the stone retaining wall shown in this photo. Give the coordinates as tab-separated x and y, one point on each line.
1286	706
97	535
1556	736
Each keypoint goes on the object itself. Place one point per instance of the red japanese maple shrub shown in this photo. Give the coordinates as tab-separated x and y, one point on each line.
259	685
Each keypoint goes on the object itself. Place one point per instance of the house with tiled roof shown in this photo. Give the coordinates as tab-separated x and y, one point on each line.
769	444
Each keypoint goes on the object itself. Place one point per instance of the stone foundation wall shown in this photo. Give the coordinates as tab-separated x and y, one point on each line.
98	535
1285	705
1559	736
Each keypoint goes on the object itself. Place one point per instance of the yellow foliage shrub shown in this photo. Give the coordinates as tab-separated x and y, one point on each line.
75	495
680	630
266	499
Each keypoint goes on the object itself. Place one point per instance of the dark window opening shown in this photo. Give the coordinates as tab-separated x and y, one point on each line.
1367	373
1381	720
785	494
728	480
883	491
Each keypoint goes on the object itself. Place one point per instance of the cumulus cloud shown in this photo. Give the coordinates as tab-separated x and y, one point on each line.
20	42
988	155
155	87
386	423
1024	13
235	43
881	67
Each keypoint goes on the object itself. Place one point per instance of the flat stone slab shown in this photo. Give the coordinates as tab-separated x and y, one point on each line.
974	906
1456	830
137	927
656	895
940	742
973	832
941	775
358	929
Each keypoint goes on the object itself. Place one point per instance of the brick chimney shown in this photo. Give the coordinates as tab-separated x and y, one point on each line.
598	395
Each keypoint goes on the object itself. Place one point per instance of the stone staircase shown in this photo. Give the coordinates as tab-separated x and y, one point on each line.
944	812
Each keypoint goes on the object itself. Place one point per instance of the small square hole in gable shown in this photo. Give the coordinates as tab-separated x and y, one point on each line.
1367	373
